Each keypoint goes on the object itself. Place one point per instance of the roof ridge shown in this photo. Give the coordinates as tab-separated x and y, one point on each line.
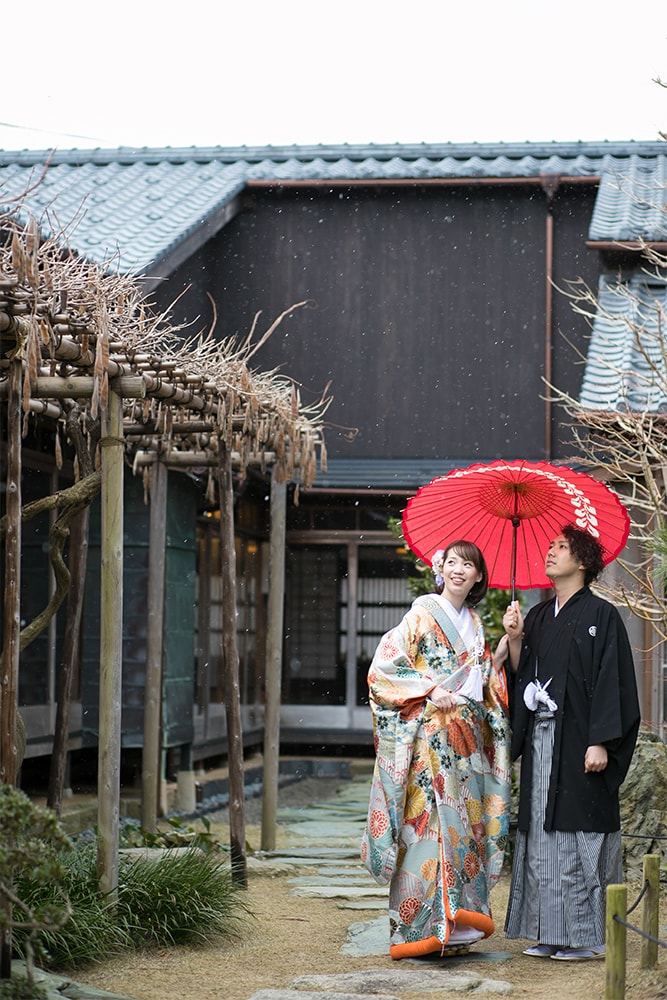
380	151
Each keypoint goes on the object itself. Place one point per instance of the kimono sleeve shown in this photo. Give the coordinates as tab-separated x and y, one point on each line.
398	690
398	677
614	711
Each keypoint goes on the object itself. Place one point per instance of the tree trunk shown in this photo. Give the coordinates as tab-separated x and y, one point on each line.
12	619
78	559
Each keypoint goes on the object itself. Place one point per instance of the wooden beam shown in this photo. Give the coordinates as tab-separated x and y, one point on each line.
151	757
231	671
274	656
199	459
111	648
81	387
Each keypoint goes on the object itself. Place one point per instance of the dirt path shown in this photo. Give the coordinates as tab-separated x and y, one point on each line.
290	936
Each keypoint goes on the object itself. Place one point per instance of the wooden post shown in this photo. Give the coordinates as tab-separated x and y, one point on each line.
274	656
617	906
11	617
151	757
651	912
231	670
111	647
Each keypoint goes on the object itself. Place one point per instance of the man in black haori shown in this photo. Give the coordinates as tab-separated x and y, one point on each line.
575	723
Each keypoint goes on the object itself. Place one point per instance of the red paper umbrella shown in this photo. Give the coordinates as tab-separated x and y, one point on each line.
512	510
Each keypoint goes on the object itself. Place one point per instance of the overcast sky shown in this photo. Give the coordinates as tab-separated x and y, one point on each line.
249	72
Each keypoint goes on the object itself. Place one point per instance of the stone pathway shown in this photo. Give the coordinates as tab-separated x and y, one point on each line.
342	877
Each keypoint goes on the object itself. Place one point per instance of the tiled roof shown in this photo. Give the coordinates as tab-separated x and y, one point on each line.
625	342
631	201
404	474
142	204
391	474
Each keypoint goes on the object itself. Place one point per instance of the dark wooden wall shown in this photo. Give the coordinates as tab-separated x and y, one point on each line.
430	309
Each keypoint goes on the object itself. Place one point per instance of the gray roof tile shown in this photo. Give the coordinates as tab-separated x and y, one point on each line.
630	204
140	204
624	347
403	474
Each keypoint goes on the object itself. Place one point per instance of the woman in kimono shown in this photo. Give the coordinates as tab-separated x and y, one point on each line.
439	807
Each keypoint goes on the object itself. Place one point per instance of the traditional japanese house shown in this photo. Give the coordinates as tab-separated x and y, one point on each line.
426	288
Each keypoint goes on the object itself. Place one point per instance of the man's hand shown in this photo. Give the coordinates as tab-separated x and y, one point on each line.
513	621
596	758
513	625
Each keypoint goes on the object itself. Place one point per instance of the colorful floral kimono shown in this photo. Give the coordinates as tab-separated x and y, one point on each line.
439	807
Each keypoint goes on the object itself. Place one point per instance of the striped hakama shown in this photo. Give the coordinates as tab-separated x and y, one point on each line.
559	879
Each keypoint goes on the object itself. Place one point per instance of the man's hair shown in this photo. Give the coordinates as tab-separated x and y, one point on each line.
587	550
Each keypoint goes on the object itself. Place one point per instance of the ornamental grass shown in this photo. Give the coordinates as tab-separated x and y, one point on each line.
164	898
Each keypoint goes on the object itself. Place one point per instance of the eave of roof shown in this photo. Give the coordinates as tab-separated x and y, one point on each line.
143	210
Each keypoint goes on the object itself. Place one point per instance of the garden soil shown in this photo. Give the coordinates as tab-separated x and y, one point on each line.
289	936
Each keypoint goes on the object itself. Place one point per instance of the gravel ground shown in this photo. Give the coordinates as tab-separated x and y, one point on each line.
288	936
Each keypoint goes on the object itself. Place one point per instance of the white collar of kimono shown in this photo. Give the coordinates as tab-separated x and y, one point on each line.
462	620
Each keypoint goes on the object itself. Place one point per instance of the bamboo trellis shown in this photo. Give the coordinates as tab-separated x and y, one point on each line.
83	336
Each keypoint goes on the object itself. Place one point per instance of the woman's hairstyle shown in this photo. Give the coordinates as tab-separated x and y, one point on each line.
586	549
467	550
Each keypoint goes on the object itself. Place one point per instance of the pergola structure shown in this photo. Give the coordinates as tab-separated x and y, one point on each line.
81	345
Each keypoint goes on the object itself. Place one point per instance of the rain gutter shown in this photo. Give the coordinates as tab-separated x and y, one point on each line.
550	184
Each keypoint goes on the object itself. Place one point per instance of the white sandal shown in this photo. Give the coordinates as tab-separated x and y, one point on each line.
541	950
579	954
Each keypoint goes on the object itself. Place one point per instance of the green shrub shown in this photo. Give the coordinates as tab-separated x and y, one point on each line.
22	988
33	851
180	898
92	930
175	897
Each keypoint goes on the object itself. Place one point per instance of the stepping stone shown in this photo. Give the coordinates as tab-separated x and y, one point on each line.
396	979
368	937
297	862
327	880
354	872
321	853
317	830
332	891
313	995
362	904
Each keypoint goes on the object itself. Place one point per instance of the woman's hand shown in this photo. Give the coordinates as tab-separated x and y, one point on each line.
501	652
596	758
442	698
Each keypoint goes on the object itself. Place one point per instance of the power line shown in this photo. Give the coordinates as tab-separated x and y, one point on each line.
47	131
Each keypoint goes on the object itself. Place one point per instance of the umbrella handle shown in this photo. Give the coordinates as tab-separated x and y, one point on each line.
516	521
